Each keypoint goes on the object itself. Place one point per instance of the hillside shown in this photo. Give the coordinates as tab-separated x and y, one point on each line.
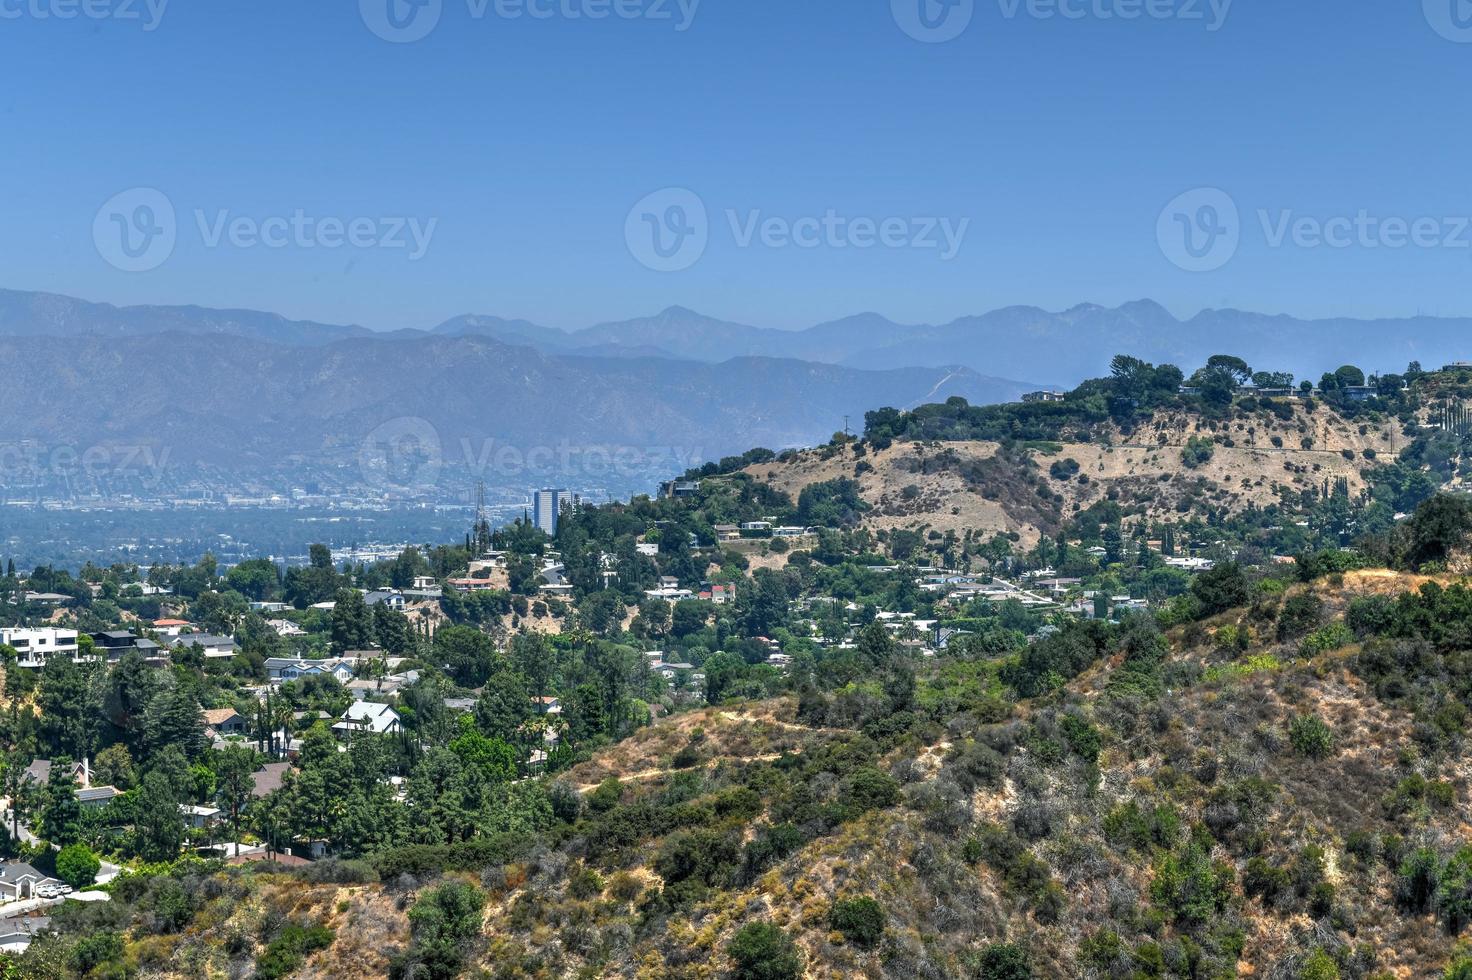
1271	817
976	485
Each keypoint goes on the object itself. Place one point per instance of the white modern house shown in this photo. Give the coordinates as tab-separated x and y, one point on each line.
34	646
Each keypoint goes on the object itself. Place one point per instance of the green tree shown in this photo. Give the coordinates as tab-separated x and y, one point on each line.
467	654
114	767
61	814
257	579
19	788
491	758
67	727
503	706
352	623
534	660
77	865
235	769
173	718
158	825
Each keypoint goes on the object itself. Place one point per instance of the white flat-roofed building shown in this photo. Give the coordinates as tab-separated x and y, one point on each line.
34	646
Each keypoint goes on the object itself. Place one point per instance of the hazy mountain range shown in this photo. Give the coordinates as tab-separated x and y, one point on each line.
242	391
1013	342
248	395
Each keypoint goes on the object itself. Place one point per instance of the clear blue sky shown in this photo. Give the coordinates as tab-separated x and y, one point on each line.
529	140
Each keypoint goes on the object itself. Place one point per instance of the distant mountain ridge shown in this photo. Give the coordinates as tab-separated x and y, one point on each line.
1012	342
240	409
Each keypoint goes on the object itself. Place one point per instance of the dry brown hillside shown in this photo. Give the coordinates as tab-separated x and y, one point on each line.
968	485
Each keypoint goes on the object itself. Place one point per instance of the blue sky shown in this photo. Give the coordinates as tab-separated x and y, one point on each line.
527	141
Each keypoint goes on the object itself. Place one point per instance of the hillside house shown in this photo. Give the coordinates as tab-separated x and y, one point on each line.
225	721
368	717
115	644
19	881
282	669
285	627
33	647
214	647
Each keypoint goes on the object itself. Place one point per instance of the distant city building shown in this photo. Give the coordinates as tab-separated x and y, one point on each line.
547	508
1044	396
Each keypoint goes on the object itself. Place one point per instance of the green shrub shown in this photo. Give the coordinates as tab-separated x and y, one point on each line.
1198	452
1300	615
871	789
1319	966
94	950
444	928
1454	891
1311	736
1190	887
1131	826
1361	844
1332	637
606	796
761	951
585	884
1261	880
1101	950
1082	737
861	920
1004	961
1418	880
285	954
